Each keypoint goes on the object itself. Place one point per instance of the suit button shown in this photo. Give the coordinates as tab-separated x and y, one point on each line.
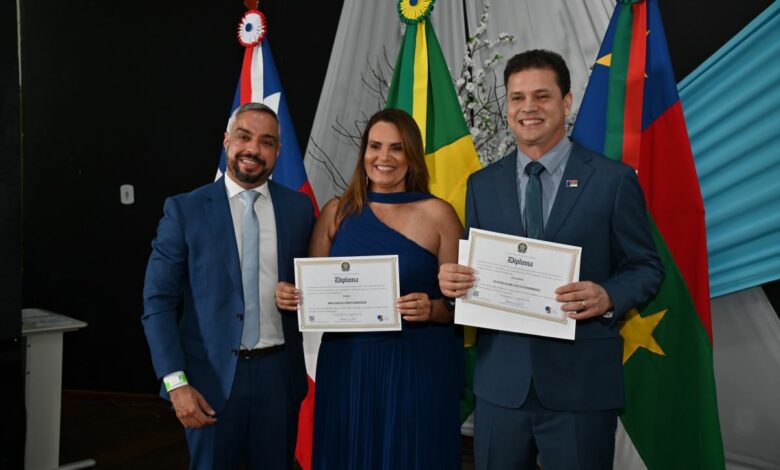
240	316
234	351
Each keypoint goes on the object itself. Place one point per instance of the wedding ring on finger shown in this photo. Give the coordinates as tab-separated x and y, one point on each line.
584	305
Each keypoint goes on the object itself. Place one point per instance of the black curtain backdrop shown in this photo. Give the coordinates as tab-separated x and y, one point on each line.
133	93
139	93
696	30
12	426
10	183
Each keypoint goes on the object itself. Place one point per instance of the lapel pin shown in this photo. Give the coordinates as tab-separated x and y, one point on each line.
571	183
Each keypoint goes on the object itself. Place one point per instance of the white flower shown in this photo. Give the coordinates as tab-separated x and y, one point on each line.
480	102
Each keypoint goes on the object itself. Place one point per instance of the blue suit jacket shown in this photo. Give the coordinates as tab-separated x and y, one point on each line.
605	214
194	268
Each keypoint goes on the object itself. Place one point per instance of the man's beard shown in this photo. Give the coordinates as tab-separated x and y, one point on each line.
246	177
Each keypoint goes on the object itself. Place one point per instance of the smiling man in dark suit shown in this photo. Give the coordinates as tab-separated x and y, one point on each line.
558	399
233	364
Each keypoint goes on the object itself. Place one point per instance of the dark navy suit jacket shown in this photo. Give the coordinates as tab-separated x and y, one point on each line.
194	266
605	214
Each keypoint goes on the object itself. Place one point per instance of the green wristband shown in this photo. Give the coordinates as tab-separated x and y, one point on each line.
175	382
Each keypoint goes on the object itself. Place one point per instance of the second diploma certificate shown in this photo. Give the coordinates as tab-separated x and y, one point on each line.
516	282
355	293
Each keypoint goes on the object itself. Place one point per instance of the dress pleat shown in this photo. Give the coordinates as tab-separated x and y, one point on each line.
389	400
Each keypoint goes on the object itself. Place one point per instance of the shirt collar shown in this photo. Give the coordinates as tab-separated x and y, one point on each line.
551	160
233	189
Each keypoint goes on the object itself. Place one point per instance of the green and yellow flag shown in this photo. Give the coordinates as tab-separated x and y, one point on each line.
422	86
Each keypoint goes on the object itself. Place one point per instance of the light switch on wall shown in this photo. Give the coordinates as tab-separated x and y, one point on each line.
127	194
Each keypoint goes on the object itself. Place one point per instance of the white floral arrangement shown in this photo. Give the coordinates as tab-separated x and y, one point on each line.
481	98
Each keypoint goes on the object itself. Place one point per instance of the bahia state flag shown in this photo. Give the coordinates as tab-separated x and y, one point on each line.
422	86
259	83
631	112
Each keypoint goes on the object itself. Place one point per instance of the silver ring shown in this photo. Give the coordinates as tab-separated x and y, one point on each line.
584	305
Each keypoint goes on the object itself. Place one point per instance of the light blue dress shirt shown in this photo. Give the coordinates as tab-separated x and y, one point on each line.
554	162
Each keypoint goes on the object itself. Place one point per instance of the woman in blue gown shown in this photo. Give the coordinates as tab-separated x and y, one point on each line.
389	400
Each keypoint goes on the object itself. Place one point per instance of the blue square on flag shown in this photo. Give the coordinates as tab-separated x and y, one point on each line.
571	183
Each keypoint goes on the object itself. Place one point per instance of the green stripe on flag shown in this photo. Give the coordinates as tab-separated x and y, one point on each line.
618	71
401	93
446	123
691	437
467	401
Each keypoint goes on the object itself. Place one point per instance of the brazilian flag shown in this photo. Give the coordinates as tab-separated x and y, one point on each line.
422	86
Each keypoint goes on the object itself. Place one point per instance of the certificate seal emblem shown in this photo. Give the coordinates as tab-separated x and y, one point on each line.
345	266
522	247
380	317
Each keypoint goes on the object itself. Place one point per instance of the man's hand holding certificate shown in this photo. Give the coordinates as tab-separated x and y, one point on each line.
348	294
514	284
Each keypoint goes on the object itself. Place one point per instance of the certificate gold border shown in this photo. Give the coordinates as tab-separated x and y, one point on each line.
474	236
304	325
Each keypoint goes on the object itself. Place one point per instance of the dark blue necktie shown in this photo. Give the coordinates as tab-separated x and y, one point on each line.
534	220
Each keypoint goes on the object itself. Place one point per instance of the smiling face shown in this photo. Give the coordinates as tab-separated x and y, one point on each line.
251	146
385	160
536	110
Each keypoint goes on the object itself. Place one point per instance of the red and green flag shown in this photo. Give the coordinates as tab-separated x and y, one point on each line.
631	112
422	86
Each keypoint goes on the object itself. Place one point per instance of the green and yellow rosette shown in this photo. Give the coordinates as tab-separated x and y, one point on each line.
414	11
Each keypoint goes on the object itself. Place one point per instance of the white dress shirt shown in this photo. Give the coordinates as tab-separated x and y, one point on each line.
270	321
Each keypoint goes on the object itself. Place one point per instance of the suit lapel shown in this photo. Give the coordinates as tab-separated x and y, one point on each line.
577	169
506	187
217	210
282	230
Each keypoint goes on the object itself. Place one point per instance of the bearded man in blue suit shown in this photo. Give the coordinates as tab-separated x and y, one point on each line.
538	397
231	363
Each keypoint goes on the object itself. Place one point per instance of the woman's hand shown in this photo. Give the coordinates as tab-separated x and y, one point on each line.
415	307
287	296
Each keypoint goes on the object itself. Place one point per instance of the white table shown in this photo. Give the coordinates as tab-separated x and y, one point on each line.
43	384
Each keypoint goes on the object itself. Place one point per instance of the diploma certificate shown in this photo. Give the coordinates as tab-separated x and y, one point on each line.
356	293
516	282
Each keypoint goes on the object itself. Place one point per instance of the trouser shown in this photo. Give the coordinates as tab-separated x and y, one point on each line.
511	438
259	422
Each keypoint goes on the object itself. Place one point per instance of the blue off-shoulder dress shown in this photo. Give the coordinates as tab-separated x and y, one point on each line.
389	400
